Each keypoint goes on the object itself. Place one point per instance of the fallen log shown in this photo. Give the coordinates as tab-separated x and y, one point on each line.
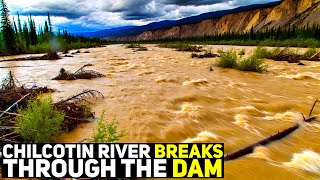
249	149
8	67
78	120
11	114
315	56
290	58
282	52
7	127
49	56
207	54
9	140
7	135
13	105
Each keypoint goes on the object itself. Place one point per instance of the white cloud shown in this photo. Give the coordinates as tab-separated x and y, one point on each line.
88	15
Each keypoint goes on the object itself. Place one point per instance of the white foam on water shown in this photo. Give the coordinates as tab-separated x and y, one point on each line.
289	116
301	76
307	160
260	152
196	82
203	137
241	120
190	110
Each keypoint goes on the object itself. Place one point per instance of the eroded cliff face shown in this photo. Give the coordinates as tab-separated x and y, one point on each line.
290	12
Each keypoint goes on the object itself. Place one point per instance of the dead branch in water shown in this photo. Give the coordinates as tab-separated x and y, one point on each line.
9	84
290	58
315	57
11	91
82	96
314	104
76	112
13	105
249	149
79	74
82	68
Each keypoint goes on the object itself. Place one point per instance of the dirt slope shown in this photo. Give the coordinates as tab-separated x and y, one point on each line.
290	12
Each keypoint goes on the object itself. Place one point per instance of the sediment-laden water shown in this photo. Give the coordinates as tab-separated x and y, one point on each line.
162	95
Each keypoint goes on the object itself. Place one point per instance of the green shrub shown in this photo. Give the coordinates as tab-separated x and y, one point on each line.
310	52
40	121
253	64
228	59
107	132
261	52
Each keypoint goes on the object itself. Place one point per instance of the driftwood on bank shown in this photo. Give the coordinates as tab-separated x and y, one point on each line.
295	58
79	74
13	94
207	54
11	91
49	56
315	57
82	96
75	109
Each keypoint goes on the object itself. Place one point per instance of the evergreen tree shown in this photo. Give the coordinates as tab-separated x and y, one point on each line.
46	27
26	35
50	24
7	30
19	23
32	31
15	26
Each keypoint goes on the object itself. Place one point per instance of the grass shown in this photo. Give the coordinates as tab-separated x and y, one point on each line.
261	52
182	47
310	52
252	64
230	60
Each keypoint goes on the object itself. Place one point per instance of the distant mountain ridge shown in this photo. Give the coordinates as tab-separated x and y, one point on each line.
287	13
134	30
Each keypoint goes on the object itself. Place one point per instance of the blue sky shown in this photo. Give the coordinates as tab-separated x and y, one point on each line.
89	15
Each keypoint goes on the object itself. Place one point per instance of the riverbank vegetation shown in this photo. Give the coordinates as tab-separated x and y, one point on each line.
230	60
107	132
17	37
308	36
181	46
40	121
28	115
137	47
287	54
207	54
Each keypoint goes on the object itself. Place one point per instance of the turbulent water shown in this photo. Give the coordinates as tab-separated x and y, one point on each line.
162	95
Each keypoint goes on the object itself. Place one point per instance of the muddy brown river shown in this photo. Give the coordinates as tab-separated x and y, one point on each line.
163	95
